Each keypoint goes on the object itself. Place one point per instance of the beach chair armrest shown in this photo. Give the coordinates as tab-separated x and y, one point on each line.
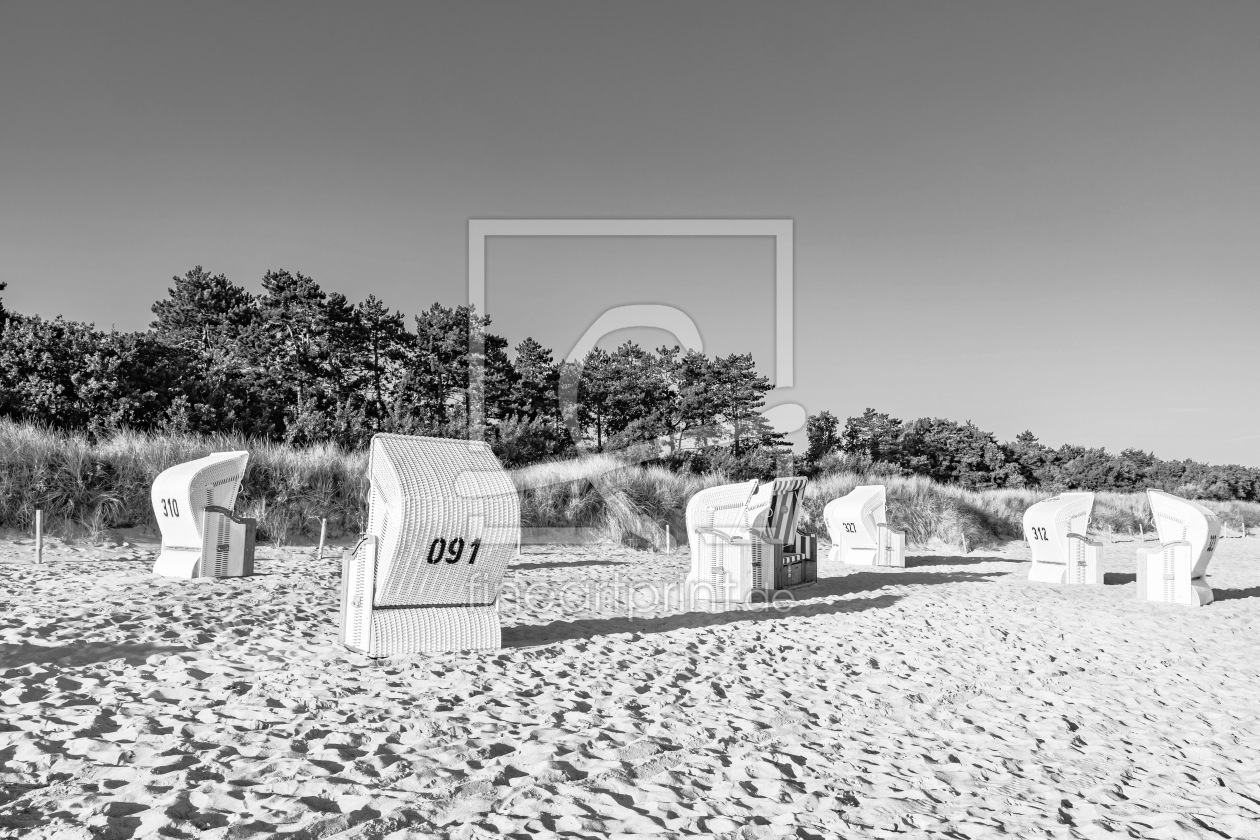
722	535
222	511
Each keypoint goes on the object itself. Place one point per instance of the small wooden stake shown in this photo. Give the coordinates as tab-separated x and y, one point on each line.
323	529
39	536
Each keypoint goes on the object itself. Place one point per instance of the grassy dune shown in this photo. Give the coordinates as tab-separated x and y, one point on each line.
87	487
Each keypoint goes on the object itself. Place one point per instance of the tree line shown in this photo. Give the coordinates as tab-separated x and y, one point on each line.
964	454
299	364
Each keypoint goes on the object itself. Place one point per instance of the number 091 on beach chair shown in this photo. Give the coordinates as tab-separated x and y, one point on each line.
192	503
1176	572
1055	529
444	519
858	527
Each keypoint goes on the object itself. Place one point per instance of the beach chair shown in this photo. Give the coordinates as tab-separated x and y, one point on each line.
1055	530
201	537
858	527
1176	572
744	539
444	519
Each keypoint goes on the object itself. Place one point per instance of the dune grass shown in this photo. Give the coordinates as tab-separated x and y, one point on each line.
87	487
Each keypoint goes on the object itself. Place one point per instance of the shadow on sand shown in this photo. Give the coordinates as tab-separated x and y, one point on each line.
88	653
1235	594
807	601
932	560
565	565
1118	578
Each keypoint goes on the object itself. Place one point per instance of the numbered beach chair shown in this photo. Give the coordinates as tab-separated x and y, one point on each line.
1055	529
444	519
858	527
1176	572
744	539
201	537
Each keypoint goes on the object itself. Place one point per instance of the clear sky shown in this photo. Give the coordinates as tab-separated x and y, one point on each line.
1029	215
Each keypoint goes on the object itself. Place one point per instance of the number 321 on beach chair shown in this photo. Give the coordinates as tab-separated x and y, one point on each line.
859	531
192	503
444	519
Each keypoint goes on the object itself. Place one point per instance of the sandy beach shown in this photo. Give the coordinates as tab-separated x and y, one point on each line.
949	699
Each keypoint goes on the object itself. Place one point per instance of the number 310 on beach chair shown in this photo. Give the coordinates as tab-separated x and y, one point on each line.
444	519
201	537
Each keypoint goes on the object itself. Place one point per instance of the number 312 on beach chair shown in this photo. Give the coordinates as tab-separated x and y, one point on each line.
1056	533
192	503
444	519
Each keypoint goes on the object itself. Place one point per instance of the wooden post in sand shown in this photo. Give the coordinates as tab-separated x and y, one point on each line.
39	536
665	525
323	529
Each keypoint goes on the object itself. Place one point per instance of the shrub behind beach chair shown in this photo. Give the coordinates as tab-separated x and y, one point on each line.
193	506
1056	532
444	519
858	527
1176	572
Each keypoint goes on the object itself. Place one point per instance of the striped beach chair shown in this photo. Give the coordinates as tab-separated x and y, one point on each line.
201	537
1176	572
1055	530
858	527
744	539
444	519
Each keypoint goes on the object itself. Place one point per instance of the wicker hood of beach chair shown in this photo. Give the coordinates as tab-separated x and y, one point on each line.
443	522
192	503
1176	572
857	525
1056	531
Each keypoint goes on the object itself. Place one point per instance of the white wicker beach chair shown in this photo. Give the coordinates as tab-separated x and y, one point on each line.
744	539
722	508
193	506
444	519
1055	530
1176	572
859	530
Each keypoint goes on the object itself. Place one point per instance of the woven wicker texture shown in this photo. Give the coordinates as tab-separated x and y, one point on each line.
1046	528
1178	519
735	557
723	508
227	544
1163	574
447	519
1084	561
180	496
399	631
